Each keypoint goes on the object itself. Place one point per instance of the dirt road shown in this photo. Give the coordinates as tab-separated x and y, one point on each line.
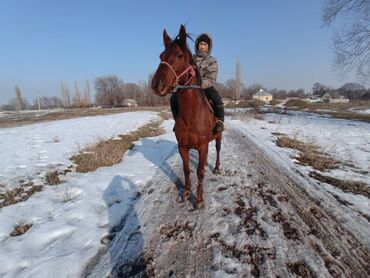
261	220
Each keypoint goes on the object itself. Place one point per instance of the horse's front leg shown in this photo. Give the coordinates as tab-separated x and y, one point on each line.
203	153
216	171
184	153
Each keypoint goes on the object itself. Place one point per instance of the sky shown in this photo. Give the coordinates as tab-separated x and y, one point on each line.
280	44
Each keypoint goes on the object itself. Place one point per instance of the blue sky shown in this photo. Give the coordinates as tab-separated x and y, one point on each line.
281	44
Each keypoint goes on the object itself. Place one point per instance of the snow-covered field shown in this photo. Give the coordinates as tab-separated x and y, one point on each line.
28	152
348	141
66	234
360	111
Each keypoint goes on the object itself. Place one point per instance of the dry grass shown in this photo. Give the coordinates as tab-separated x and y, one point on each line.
109	152
21	223
310	153
20	229
19	194
355	187
52	178
29	118
66	193
246	115
351	116
339	110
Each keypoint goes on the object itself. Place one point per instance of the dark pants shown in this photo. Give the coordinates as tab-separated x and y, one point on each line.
211	94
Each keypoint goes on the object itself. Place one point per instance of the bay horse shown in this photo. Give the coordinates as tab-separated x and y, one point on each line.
178	73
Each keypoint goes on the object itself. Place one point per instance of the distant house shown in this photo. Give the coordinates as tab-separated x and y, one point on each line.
263	96
129	102
314	99
326	97
334	97
341	99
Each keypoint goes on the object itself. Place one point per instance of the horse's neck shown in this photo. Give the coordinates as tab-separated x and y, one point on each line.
191	101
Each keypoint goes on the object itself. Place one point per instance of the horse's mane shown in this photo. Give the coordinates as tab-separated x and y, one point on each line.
185	46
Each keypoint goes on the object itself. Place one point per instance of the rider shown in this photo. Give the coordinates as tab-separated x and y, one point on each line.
208	68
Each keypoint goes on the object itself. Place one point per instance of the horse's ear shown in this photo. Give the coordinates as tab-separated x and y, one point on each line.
166	39
182	34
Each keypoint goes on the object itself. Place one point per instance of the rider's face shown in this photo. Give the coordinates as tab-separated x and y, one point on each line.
203	47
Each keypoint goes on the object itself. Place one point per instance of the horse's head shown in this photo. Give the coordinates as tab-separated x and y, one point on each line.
175	65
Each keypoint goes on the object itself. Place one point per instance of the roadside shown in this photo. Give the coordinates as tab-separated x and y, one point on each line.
24	118
261	219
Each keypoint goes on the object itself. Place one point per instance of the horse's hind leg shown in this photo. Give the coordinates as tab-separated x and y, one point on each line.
216	171
184	153
203	153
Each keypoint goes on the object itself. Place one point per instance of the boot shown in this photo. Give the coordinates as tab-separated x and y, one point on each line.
219	126
219	114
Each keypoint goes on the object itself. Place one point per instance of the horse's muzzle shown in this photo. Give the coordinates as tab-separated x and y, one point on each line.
159	87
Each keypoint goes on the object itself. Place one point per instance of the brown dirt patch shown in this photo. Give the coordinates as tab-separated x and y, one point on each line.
19	194
346	185
109	152
300	269
52	178
310	153
339	110
29	118
182	230
289	231
20	230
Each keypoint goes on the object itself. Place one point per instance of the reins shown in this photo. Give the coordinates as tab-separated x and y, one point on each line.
176	85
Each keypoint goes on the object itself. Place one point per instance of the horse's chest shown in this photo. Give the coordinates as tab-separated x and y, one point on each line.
191	140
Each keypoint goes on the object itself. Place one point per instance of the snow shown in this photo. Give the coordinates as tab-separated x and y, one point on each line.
360	110
346	140
70	220
28	152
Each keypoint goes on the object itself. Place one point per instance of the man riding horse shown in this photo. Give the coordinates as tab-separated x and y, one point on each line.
196	126
208	68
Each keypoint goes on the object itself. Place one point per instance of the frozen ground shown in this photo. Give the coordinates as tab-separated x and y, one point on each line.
29	151
124	218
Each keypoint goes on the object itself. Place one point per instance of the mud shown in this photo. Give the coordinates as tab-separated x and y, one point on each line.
259	220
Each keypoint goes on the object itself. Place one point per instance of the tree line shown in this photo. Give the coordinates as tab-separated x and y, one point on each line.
112	91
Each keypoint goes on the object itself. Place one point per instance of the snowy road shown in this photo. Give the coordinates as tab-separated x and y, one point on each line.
262	218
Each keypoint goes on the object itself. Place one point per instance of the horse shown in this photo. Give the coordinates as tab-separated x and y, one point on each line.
177	73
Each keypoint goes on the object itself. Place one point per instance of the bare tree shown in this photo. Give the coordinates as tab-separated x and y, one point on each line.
18	99
77	96
221	89
352	40
87	99
131	90
108	90
65	95
13	105
238	80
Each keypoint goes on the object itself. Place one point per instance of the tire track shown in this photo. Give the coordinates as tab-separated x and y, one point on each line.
258	222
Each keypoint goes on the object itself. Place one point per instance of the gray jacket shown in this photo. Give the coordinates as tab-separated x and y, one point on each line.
207	65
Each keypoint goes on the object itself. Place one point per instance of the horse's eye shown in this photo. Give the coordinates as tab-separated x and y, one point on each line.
180	55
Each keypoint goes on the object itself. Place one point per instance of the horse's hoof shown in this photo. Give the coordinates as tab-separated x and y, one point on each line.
216	172
186	195
199	205
179	199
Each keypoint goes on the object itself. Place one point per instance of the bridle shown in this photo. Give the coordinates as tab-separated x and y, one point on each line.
176	84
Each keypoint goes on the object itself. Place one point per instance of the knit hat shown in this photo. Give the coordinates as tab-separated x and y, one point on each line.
204	38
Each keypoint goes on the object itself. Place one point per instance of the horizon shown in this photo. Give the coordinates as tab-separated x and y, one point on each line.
280	45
